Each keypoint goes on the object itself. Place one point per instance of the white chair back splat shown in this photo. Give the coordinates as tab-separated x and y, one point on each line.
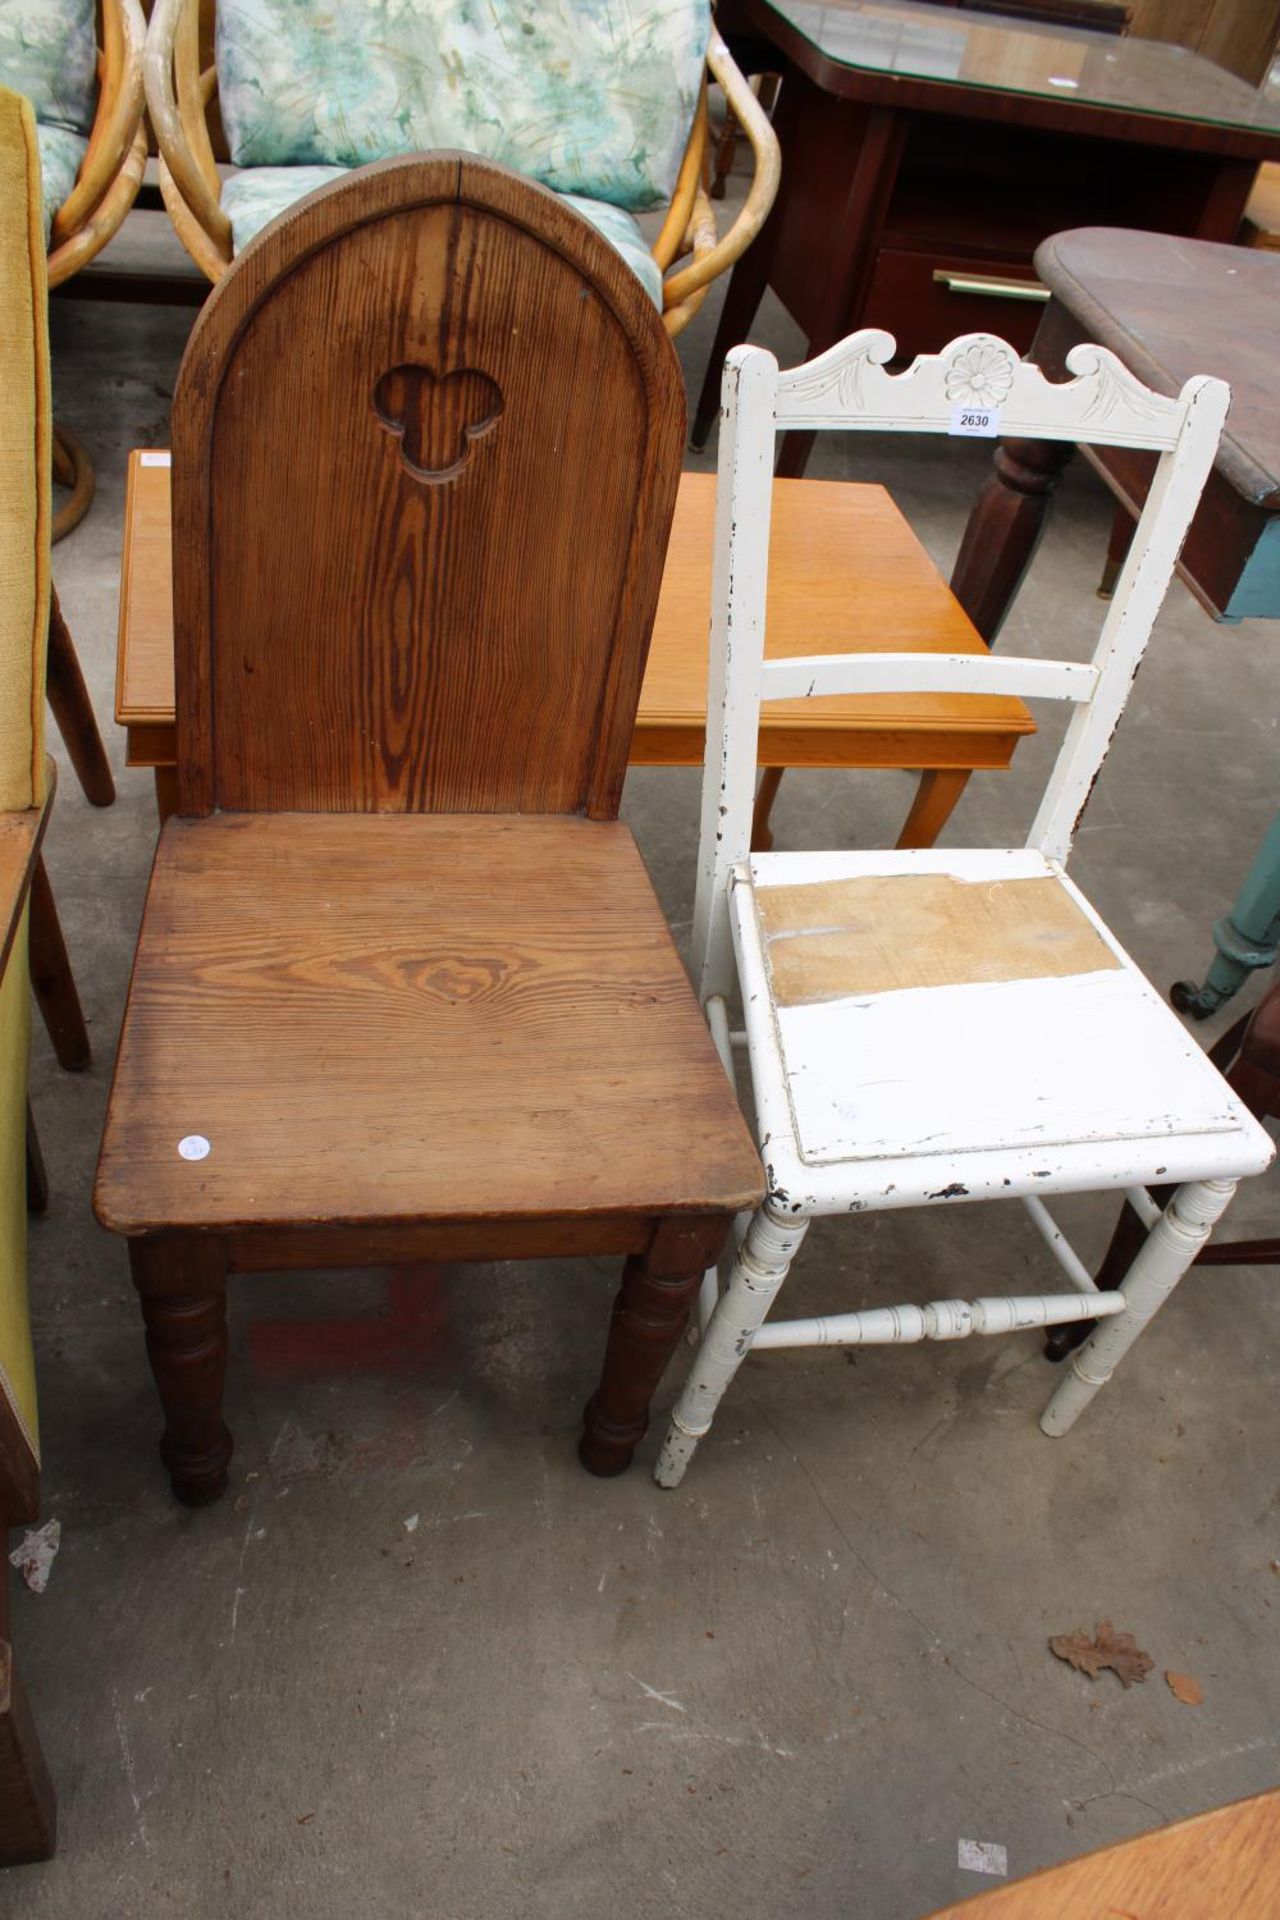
940	1025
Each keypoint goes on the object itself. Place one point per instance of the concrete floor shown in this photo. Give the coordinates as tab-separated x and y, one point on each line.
418	1663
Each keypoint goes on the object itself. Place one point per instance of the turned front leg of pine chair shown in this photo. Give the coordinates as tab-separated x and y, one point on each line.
182	1289
650	1314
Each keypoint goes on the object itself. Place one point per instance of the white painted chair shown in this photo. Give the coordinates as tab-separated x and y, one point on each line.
930	1027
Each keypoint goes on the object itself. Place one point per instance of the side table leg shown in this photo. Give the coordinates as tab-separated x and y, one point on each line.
937	797
860	229
766	794
1123	527
1005	528
1248	937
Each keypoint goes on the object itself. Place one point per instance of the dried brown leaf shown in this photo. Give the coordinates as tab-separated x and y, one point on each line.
1184	1688
1107	1648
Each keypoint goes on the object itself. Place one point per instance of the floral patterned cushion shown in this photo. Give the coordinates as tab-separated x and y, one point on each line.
592	97
253	198
61	157
47	51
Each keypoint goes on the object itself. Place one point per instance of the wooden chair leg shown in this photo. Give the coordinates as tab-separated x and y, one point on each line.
762	1264
37	1178
1004	529
166	792
72	468
51	977
726	149
182	1288
936	798
73	710
1123	526
28	1807
1166	1253
766	794
649	1316
1249	1055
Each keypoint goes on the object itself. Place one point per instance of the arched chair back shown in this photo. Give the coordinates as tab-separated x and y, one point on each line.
427	437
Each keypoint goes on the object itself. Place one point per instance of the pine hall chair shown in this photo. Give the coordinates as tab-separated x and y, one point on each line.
88	104
604	101
925	1028
403	990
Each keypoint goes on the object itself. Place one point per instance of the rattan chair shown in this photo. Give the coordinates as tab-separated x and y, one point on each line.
182	96
105	186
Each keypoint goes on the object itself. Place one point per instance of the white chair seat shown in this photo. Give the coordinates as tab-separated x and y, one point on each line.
945	1024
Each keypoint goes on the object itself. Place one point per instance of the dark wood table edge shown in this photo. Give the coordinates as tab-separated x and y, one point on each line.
916	93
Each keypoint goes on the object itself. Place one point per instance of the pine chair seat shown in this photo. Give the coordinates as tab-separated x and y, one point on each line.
375	1021
956	1024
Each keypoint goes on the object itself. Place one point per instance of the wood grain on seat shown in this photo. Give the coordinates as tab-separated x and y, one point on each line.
419	1018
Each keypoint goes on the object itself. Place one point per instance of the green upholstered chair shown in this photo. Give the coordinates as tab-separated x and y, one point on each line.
604	101
88	108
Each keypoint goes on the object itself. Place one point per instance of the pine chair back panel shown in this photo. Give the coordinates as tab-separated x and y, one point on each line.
427	437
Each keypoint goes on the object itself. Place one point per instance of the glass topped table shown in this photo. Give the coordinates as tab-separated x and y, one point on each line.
991	52
927	152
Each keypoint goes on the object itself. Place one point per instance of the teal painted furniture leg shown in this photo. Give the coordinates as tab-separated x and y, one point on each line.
1248	937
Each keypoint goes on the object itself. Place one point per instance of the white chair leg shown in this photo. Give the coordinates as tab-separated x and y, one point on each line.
1169	1248
762	1264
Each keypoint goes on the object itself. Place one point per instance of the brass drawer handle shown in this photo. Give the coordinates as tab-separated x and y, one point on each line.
988	284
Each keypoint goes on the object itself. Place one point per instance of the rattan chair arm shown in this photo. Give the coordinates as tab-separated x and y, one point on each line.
170	121
116	121
106	218
764	186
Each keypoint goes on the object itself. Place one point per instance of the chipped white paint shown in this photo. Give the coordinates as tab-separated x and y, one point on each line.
1160	1263
1105	404
998	1087
816	676
940	1320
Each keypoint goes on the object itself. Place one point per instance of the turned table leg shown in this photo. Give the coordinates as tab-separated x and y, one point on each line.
936	799
166	792
182	1288
766	794
1004	529
649	1316
1246	938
